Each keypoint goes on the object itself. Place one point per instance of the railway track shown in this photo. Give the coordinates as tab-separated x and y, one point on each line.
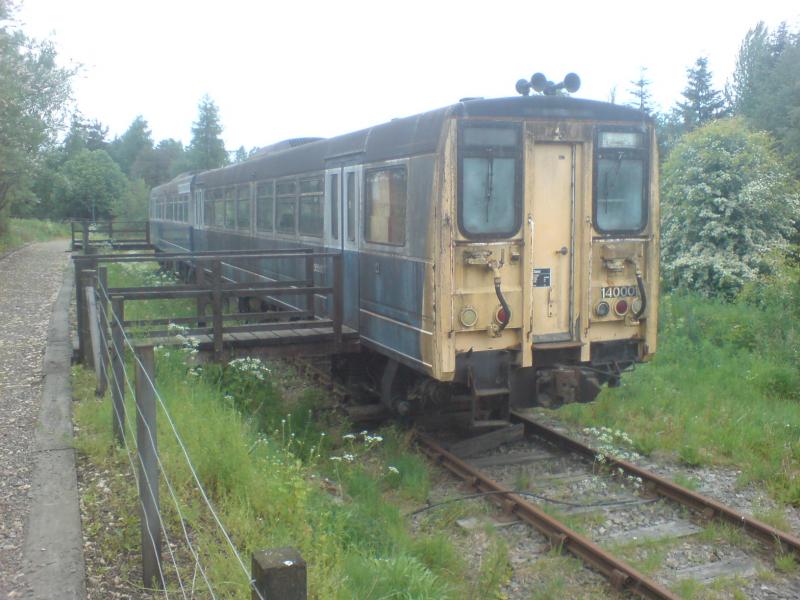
484	469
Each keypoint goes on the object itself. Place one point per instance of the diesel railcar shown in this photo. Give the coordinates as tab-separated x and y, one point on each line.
496	252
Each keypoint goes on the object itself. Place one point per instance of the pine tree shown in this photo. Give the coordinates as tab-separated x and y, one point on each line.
703	103
641	92
207	150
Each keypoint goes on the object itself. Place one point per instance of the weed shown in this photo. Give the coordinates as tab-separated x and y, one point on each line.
495	570
786	563
690	483
722	387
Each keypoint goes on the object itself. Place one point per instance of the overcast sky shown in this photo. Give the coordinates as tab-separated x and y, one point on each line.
281	69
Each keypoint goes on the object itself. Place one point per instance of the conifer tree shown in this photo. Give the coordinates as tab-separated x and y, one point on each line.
641	92
207	150
702	102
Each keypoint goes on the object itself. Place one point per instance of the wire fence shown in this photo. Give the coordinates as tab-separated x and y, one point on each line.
179	571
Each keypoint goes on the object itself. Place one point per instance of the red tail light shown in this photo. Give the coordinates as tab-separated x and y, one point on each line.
621	307
501	315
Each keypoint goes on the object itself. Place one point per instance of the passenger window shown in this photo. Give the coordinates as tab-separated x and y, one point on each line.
285	206
243	208
351	206
333	182
385	206
310	213
230	208
265	200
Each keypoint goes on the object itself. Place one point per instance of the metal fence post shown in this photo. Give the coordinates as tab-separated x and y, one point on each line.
147	448
279	573
118	369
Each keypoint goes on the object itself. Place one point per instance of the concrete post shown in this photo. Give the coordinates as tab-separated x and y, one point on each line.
279	573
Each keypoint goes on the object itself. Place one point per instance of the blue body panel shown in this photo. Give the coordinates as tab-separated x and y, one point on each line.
387	310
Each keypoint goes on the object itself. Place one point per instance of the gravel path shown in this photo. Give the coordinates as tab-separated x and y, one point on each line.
29	282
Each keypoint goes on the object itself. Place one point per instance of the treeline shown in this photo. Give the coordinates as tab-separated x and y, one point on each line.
47	172
730	172
89	176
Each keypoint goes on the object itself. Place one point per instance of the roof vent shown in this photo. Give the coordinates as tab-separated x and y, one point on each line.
468	98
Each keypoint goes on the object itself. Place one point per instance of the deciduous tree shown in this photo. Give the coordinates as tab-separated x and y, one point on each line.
727	202
90	186
33	96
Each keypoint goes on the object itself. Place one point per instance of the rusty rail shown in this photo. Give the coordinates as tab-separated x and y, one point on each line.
710	509
621	575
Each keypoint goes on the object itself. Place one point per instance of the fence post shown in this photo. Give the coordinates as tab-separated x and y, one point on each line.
94	333
338	297
147	448
102	315
216	305
147	232
85	334
200	280
118	369
310	283
80	301
85	242
279	573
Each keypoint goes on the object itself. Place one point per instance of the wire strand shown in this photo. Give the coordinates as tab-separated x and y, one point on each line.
185	452
162	470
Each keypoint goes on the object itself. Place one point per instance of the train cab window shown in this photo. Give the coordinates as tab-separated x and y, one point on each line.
489	181
620	201
385	206
333	194
286	206
243	207
265	200
351	206
310	207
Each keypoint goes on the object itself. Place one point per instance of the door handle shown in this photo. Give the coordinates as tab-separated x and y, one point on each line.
563	251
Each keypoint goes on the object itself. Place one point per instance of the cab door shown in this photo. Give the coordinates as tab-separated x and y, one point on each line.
553	211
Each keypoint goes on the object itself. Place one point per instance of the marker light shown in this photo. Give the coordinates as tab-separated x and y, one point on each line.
501	316
621	307
468	316
602	309
636	306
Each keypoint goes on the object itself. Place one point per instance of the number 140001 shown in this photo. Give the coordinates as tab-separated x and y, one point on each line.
619	291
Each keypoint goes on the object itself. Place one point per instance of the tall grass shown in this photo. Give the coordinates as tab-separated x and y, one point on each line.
724	386
282	471
18	232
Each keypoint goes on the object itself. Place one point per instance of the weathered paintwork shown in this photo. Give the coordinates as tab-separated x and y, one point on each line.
406	300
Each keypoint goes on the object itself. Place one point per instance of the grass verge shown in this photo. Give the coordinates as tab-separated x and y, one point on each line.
22	231
281	470
723	388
